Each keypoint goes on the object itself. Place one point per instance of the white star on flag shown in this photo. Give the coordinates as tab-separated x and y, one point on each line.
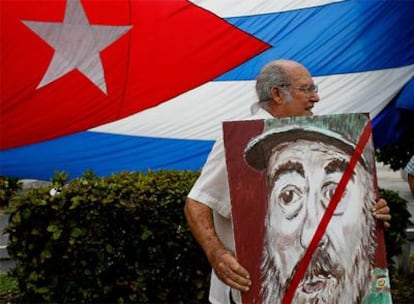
77	44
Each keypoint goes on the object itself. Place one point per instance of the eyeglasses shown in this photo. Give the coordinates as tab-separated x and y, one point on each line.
311	89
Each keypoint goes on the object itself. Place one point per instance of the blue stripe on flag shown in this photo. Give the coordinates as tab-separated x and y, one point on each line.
104	154
342	37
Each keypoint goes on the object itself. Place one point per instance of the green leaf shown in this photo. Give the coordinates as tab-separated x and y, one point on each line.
33	276
76	232
109	248
45	254
16	218
42	290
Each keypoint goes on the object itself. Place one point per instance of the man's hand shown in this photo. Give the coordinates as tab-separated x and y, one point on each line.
381	211
223	261
229	270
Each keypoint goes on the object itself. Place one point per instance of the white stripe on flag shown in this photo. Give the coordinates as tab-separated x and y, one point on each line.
236	8
197	114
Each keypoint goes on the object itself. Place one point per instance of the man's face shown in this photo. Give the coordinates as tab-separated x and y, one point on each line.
301	187
302	100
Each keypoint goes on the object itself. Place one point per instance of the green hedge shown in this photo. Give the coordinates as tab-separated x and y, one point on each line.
109	240
122	239
395	236
8	188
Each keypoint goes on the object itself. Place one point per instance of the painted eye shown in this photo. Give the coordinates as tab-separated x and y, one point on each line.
289	195
328	191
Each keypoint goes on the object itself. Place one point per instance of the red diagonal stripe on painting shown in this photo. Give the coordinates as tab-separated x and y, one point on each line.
172	47
320	231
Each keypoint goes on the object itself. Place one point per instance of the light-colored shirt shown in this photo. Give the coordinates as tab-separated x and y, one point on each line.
212	189
410	166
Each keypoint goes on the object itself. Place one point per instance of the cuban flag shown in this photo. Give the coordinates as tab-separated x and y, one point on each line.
118	85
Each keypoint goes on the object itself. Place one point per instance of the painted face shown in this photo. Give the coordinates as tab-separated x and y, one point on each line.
303	177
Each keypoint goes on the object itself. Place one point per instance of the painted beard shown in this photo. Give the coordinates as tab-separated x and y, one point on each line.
322	282
326	280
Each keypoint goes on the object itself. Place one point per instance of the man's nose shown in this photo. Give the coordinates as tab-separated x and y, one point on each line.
314	97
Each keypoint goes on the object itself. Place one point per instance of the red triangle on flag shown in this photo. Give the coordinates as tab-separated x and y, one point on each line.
171	47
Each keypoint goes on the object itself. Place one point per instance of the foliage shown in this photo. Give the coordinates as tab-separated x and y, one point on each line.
60	177
117	239
124	239
402	285
9	289
395	236
9	186
397	155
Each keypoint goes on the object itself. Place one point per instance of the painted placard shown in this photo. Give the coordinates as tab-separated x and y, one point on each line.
302	190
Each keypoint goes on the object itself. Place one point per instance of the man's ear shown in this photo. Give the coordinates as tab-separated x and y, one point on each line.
277	95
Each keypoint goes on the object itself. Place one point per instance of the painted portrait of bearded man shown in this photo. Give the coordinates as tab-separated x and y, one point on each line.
302	161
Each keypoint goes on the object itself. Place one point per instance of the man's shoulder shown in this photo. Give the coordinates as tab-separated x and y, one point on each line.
259	114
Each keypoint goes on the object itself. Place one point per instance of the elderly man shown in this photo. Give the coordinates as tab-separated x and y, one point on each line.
304	164
285	88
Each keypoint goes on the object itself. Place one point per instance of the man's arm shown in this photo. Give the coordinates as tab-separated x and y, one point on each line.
410	180
225	265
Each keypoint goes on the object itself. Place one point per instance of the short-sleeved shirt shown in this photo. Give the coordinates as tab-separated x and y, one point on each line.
410	166
212	189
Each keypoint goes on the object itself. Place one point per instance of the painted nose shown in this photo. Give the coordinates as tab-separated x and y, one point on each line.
311	224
